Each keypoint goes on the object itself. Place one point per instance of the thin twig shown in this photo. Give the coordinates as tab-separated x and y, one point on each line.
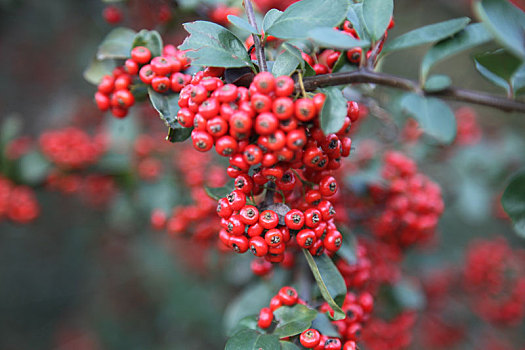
259	48
452	93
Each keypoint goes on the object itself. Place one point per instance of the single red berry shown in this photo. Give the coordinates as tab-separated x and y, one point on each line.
119	112
273	238
319	99
333	240
107	85
275	303
255	230
284	86
305	238
217	127
332	344
283	108
240	122
261	267
268	219
265	318
261	103
177	81
312	217
296	139
264	82
141	54
102	101
112	14
266	123
235	226
226	146
288	295
161	65
327	210
239	244
354	55
236	199
249	215
146	74
160	84
202	141
310	338
252	154
224	209
294	219
328	186
258	246
305	109
122	99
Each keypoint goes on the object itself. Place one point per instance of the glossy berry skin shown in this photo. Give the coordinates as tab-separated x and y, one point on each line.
122	99
305	238
202	141
235	226
258	246
283	108
249	215
141	54
160	84
332	344
305	109
161	65
288	296
102	101
226	146
312	217
224	209
327	210
239	244
236	200
264	82
275	303
261	267
146	74
350	345
310	338
268	219
244	183
333	240
284	86
266	123
265	318
273	238
294	219
252	154
328	186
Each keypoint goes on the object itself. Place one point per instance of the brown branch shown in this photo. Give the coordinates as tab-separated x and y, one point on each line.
259	48
451	93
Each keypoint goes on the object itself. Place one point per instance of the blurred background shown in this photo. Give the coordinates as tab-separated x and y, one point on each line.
83	268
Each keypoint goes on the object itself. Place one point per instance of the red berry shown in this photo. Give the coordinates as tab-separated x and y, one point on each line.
264	82
288	295
273	238
141	54
284	86
310	338
202	141
268	219
328	186
305	238
305	109
294	219
265	318
258	246
160	84
238	243
249	215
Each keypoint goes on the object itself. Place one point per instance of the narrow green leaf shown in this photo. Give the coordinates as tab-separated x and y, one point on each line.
473	35
513	201
286	345
117	44
308	14
498	67
330	282
435	117
242	24
426	35
150	39
329	37
249	339
213	45
219	192
285	64
270	17
437	82
355	16
97	69
323	324
505	21
377	15
334	110
293	320
167	106
490	76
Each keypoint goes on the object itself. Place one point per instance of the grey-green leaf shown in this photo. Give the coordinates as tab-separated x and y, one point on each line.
377	15
150	39
308	14
285	64
513	201
213	45
435	116
518	80
330	282
437	82
167	106
249	339
498	67
117	44
97	69
334	110
242	24
323	324
286	345
505	21
426	35
293	320
270	17
355	16
329	37
473	35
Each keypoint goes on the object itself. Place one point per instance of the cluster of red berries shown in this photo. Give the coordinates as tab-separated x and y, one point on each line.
71	147
468	130
412	203
162	73
95	190
219	14
356	274
394	334
17	203
310	338
264	128
494	277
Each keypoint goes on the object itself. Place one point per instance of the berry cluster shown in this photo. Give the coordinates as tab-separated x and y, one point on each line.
412	203
95	190
469	131
17	203
264	128
494	277
310	338
162	73
394	334
72	148
219	14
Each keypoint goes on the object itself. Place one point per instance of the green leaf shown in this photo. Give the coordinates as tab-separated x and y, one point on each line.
178	134
334	110
330	282
286	345
34	168
249	302
513	201
214	45
377	15
323	324
473	35
505	21
329	37
498	67
10	128
309	71
219	192
166	105
293	320
518	80
270	17
249	339
285	64
150	39
426	35
437	82
308	14
97	69
242	24
248	322
348	248
355	16
434	116
117	44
